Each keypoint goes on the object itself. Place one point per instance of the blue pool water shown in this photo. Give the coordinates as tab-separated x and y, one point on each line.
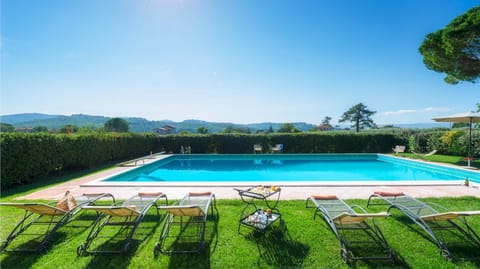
295	167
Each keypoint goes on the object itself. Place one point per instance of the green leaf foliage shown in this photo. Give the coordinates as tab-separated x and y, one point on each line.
359	115
455	49
116	125
28	157
6	127
453	142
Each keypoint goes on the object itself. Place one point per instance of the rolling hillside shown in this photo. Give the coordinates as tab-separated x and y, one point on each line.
30	120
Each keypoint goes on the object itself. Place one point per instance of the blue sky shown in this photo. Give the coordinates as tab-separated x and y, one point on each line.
239	61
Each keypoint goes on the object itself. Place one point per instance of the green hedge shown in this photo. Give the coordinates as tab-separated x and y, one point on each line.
333	142
30	157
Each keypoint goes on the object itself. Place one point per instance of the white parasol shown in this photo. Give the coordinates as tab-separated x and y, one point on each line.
468	117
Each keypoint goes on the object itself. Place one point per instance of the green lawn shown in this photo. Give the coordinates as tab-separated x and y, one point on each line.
456	160
303	243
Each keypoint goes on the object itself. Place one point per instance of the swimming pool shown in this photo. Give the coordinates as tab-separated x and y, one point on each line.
305	168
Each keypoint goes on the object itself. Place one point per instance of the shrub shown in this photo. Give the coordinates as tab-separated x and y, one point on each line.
28	157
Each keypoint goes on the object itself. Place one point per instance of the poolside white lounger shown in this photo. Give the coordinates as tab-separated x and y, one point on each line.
430	219
354	231
190	212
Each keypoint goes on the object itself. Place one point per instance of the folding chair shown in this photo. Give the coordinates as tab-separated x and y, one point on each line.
353	230
128	216
40	221
190	212
429	218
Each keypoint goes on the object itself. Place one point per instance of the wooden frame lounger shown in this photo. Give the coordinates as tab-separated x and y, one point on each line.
48	216
127	216
429	218
192	210
346	224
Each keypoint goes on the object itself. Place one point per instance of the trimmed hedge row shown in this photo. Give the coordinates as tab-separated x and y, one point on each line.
293	143
30	157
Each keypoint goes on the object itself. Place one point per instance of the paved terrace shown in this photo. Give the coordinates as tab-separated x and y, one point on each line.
81	185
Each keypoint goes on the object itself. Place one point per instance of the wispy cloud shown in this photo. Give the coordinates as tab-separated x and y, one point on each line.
421	110
399	112
435	109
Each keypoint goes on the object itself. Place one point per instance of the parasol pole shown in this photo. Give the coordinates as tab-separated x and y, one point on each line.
469	140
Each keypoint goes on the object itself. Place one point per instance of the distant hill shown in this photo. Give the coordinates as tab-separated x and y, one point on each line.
136	124
425	125
25	117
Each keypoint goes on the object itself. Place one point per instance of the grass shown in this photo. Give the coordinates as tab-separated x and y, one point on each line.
303	243
456	160
44	183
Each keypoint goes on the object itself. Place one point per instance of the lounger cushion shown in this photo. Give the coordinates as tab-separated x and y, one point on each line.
149	194
200	193
387	194
324	197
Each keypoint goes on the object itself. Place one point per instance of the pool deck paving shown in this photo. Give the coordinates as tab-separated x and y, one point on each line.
289	192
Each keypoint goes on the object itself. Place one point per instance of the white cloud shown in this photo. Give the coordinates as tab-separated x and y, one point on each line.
434	109
399	112
421	110
410	115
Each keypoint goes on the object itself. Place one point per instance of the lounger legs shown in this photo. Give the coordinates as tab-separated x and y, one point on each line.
53	223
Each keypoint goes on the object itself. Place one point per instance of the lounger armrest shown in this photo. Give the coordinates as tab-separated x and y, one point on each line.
177	206
94	194
192	210
92	197
121	211
348	218
38	208
450	215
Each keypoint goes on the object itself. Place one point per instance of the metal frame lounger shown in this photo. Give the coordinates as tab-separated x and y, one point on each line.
352	229
429	218
191	211
48	216
128	216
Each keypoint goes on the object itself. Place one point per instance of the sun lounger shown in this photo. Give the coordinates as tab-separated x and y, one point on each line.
429	218
40	221
278	148
257	148
426	154
356	232
399	149
191	212
127	216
